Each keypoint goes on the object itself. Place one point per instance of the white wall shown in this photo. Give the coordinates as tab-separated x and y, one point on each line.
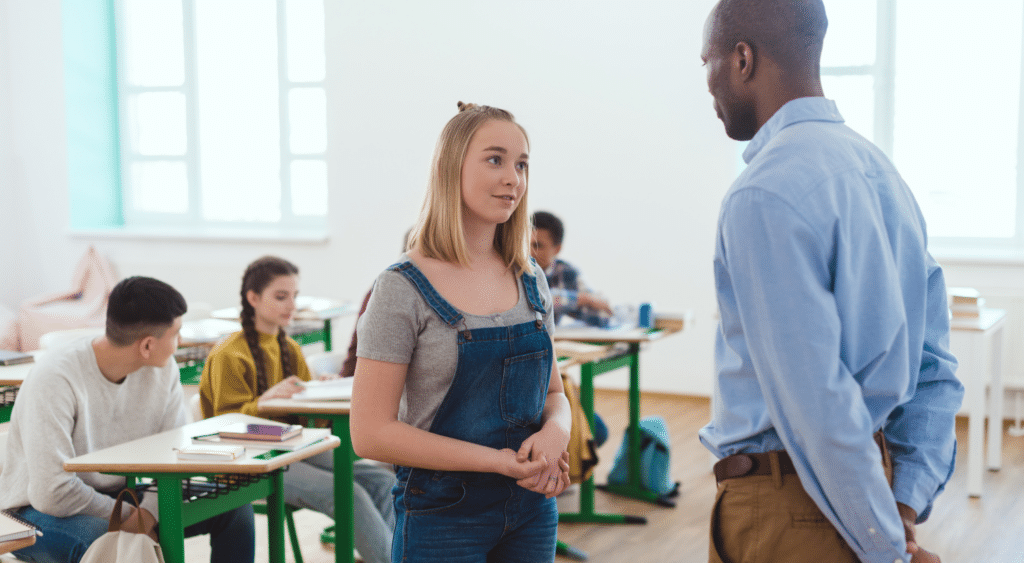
8	229
625	147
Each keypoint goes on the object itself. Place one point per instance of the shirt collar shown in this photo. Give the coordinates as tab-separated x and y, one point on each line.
794	111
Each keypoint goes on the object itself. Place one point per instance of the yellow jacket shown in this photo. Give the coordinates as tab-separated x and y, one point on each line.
229	376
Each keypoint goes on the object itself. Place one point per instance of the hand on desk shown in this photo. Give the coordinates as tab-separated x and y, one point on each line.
283	390
131	524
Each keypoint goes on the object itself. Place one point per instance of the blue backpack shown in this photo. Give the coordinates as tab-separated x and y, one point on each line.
655	464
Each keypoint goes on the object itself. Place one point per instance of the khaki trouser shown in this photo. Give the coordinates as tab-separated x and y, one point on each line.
771	519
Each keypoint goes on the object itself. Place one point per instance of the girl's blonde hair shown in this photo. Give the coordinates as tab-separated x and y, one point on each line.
438	231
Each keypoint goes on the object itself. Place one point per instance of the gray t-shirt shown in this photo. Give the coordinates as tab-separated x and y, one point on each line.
400	327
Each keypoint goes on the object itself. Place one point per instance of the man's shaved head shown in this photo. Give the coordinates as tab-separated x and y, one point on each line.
789	32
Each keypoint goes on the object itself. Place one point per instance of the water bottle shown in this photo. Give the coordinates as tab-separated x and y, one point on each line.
646	316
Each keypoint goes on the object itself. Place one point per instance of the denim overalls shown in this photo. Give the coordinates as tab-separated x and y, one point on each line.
496	399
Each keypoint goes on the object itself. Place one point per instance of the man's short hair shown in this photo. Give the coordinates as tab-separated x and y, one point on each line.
790	32
139	307
551	224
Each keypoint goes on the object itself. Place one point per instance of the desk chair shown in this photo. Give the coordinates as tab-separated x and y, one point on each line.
196	410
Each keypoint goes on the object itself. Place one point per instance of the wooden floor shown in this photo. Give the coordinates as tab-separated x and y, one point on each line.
961	530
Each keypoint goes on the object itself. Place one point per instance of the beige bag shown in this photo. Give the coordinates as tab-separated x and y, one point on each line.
120	546
582	448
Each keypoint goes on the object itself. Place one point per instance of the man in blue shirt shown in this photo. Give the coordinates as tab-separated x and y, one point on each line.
834	325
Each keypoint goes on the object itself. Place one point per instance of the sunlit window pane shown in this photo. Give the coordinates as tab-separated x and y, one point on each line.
850	39
956	123
855	97
152	39
305	38
159	186
307	117
239	130
309	187
157	123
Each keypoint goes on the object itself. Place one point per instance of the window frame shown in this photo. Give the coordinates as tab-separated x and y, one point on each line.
883	71
290	224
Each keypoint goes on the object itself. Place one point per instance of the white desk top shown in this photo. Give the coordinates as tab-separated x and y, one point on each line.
283	407
207	331
307	309
592	334
988	319
155	454
15	375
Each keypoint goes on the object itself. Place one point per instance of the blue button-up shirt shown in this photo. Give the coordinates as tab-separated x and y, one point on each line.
834	324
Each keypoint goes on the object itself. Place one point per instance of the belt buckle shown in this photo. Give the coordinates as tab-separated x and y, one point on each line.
738	465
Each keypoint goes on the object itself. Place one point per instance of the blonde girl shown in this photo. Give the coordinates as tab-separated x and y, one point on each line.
455	381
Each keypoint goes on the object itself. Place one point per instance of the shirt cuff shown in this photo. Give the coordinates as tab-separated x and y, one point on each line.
916	489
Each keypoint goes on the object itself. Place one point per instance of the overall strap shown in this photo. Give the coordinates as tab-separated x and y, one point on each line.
448	314
533	294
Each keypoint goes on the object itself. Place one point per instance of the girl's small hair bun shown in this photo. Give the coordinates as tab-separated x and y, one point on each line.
463	106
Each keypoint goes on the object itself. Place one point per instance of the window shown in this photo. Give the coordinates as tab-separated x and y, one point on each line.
223	112
937	85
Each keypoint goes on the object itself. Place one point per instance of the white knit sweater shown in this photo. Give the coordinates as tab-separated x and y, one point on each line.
66	408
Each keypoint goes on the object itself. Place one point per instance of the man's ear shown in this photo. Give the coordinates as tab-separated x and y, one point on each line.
744	61
146	345
558	249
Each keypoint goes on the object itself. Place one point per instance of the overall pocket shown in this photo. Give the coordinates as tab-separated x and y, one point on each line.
430	492
524	387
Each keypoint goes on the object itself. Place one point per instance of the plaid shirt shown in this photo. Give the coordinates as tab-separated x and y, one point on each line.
565	283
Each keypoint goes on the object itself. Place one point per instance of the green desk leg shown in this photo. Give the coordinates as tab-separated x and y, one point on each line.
344	537
632	488
327	335
172	530
587	373
275	516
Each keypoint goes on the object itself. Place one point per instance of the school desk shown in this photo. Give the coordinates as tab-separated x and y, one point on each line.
15	545
337	412
978	346
250	478
625	352
11	378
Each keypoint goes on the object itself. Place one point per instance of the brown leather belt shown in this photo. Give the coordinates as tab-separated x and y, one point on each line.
745	465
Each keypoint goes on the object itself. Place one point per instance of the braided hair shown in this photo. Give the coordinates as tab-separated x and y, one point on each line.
256	278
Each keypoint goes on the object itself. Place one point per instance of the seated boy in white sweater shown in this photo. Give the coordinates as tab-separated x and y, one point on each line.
96	393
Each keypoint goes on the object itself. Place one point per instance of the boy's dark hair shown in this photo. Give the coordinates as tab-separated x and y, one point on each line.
551	224
140	307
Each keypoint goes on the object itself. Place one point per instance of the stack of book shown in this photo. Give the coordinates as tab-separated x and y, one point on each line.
13	358
267	435
965	302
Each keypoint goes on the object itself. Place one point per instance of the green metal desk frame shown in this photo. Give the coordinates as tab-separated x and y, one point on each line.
342	533
631	358
176	515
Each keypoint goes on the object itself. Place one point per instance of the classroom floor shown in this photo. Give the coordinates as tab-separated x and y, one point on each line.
961	529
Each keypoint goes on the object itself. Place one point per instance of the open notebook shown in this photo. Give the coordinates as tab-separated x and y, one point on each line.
14	528
330	390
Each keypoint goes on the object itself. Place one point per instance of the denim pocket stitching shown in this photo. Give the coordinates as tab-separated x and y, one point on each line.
506	409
